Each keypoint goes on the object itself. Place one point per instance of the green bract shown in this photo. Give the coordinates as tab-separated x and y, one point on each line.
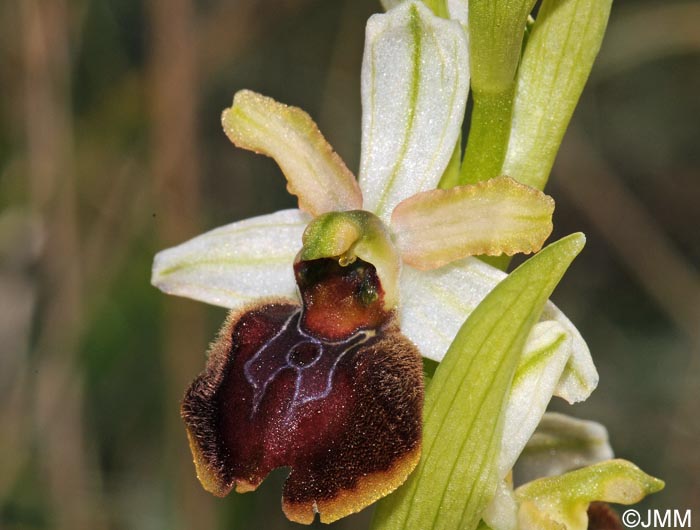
466	399
560	51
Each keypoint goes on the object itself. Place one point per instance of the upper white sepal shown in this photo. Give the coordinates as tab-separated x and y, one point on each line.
415	81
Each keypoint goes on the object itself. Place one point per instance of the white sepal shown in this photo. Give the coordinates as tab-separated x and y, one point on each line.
458	10
502	513
560	444
234	264
434	305
541	365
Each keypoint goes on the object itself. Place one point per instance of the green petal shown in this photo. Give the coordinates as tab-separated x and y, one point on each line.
458	473
315	173
560	51
415	79
560	444
434	304
236	263
498	216
563	500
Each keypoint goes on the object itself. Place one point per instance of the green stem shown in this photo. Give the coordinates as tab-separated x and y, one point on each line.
488	135
451	177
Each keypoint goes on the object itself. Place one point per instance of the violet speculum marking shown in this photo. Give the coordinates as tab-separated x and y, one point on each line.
342	307
312	359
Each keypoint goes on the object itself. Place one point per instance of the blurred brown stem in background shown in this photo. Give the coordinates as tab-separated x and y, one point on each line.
633	234
176	173
59	424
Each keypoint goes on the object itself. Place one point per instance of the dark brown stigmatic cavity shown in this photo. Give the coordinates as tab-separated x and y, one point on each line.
330	389
339	300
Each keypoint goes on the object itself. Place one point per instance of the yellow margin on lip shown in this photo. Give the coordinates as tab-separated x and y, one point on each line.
368	489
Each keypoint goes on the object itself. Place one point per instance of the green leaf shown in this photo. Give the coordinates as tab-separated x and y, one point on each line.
560	51
458	473
563	500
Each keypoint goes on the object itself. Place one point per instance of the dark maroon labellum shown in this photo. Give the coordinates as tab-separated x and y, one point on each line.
339	300
337	400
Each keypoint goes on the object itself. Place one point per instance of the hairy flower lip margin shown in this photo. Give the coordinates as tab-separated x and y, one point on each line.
347	443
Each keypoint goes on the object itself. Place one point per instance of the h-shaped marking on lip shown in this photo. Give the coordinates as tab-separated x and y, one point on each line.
314	378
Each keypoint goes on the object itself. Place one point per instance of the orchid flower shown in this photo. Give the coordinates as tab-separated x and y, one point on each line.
318	366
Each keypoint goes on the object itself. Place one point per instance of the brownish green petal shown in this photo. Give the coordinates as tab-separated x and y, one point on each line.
498	216
315	173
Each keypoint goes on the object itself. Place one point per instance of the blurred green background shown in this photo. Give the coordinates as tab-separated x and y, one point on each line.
111	149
